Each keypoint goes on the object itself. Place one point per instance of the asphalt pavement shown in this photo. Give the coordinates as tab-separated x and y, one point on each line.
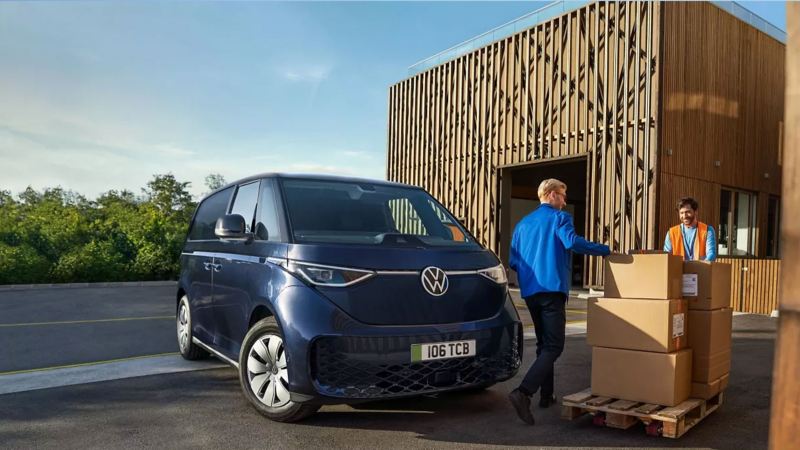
53	332
46	328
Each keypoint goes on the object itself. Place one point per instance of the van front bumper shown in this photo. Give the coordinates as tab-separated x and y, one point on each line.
335	359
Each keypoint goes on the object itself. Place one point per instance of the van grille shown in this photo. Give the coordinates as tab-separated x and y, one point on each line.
380	367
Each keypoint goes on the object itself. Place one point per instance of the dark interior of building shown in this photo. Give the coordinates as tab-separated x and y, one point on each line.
525	182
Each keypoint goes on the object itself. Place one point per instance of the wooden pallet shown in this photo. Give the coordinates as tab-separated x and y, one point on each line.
667	421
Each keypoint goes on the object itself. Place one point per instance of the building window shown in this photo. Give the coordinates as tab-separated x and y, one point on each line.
737	223
774	227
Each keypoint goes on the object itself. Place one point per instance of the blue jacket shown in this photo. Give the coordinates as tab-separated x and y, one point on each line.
540	250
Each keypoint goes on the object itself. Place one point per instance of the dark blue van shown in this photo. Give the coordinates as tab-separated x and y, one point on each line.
323	289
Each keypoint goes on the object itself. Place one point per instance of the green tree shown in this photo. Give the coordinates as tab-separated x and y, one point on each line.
168	194
95	261
60	236
22	264
214	181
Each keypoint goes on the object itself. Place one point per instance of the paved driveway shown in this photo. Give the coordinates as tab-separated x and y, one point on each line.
204	408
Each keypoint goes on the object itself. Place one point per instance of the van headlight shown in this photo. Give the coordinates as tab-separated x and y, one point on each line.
332	276
496	274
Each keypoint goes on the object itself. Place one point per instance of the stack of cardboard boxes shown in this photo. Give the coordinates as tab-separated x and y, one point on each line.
662	332
639	331
707	287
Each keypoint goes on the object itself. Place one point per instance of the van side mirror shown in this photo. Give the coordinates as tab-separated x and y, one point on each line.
231	227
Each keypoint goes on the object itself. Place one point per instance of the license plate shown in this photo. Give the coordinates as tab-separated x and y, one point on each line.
442	350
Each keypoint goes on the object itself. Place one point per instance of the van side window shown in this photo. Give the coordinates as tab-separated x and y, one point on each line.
244	203
207	214
267	225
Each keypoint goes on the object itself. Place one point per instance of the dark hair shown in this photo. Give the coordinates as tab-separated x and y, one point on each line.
687	201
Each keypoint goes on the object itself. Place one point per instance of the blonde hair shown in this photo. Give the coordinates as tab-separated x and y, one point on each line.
549	185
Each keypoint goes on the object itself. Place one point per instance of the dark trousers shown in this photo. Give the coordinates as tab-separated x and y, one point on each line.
548	310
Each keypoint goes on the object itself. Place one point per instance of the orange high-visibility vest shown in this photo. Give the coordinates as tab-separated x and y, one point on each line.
676	238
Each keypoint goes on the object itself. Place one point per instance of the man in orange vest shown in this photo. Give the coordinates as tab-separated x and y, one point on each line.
691	238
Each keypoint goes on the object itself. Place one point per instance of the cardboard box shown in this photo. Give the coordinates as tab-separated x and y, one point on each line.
708	390
637	324
707	285
659	378
709	332
706	369
656	276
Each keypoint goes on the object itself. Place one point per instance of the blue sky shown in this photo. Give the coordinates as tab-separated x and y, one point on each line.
102	95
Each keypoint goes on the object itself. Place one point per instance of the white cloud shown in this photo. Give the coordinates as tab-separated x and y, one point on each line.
321	168
172	150
311	74
357	154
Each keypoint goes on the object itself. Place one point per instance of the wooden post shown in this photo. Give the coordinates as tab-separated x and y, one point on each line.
785	416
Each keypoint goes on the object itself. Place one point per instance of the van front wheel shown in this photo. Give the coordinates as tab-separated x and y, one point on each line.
264	374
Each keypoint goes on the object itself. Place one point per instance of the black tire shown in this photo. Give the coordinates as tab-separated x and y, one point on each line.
183	321
265	335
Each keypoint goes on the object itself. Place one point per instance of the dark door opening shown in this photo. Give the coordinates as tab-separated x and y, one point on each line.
519	198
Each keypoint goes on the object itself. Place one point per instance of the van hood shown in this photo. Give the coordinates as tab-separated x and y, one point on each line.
395	295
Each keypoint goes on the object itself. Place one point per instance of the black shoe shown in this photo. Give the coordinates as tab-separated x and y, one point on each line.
522	404
546	401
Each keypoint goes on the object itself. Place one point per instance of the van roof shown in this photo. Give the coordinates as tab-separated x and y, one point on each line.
311	176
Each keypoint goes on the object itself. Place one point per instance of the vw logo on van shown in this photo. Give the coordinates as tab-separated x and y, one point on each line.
434	280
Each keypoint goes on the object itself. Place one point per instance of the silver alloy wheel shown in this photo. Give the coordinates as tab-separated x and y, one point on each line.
267	373
183	326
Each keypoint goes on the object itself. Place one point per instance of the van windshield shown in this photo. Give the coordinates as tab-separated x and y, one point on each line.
363	213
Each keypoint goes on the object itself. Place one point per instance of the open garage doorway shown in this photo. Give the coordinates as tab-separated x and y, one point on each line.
519	198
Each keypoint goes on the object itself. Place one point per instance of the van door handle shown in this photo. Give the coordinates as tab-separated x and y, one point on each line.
207	265
217	267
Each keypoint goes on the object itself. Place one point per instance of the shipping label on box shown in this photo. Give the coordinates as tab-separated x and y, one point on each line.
678	321
690	285
707	285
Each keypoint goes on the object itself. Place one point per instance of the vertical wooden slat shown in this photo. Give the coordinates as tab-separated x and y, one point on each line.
624	129
616	153
525	69
648	149
541	93
551	54
639	208
608	177
592	271
444	128
567	55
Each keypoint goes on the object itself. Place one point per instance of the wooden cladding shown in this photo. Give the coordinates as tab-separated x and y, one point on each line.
664	99
723	99
583	83
754	284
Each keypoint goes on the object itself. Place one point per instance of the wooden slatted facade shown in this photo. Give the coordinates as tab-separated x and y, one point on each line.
612	83
754	284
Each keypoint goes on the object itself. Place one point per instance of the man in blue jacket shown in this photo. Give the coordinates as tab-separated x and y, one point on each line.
540	254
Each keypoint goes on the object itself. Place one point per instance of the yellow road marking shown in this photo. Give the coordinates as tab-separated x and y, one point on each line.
69	366
69	322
